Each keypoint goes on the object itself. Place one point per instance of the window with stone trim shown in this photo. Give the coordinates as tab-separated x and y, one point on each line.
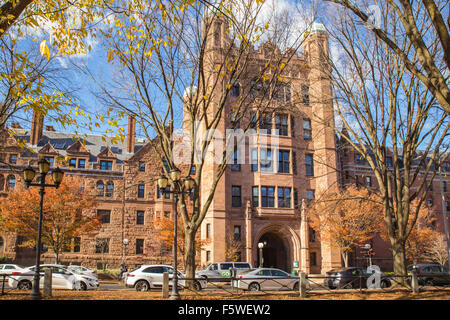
109	189
81	163
309	165
255	196
266	160
313	259
141	166
307	129
284	164
236	196
140	216
141	191
284	197
102	245
282	124
237	233
11	182
105	165
100	188
104	215
139	246
267	197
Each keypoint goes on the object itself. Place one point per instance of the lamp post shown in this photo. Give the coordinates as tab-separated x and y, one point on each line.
260	246
125	243
28	174
185	188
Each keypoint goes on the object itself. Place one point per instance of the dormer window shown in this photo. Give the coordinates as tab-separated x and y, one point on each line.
105	165
81	163
73	163
13	158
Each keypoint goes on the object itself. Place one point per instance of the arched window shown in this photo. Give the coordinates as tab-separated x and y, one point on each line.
109	189
100	188
11	182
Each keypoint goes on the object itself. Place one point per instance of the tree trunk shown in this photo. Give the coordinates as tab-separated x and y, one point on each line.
399	259
189	257
344	255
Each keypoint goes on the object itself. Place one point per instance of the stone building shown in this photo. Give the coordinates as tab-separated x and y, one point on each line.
255	202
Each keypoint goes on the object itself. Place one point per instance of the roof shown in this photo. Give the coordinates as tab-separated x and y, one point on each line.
95	144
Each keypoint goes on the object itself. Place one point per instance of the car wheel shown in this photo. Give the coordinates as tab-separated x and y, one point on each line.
197	286
254	287
296	286
385	284
24	285
83	286
142	285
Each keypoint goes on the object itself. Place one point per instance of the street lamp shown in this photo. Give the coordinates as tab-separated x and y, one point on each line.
186	188
125	243
260	246
28	175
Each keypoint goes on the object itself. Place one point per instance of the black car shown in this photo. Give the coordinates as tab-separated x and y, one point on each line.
431	274
351	278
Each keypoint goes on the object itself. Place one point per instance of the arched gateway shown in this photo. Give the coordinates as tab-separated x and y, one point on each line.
281	247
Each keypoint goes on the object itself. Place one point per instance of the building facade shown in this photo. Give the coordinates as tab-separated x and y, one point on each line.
257	203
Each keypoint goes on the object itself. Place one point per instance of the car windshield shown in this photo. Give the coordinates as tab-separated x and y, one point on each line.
247	271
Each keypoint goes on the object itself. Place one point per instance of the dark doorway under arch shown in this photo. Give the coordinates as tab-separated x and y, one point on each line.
275	252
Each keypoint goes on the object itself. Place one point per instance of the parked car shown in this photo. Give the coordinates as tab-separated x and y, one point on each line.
83	270
266	279
10	269
62	278
151	276
220	271
431	274
351	278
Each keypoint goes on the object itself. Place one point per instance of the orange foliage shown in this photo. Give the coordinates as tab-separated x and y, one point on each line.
62	220
346	219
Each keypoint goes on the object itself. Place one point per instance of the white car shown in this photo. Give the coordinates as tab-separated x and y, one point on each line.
61	279
83	270
151	276
10	269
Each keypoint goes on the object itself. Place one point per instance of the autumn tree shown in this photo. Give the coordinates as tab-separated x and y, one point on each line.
164	228
424	25
346	219
63	218
437	251
186	67
389	118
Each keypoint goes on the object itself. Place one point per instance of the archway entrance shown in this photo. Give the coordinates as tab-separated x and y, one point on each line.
275	252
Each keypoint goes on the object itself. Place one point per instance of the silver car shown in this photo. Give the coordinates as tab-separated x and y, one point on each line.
266	279
151	276
61	279
220	271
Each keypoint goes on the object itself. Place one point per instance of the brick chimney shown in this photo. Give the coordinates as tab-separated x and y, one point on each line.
131	133
37	127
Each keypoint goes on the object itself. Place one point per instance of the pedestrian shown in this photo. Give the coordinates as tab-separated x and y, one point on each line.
123	269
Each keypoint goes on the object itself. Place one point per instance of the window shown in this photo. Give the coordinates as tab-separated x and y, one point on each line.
444	186
389	162
208	255
167	194
254	160
313	259
139	246
141	191
281	122
50	160
192	171
235	166
73	162
11	182
266	123
295	198
102	245
100	188
309	164
109	189
237	233
312	235
81	163
310	196
236	196
368	181
13	158
282	92
142	166
266	160
307	129
235	90
76	244
305	95
255	196
359	159
283	161
208	231
140	217
268	197
104	215
284	197
105	165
